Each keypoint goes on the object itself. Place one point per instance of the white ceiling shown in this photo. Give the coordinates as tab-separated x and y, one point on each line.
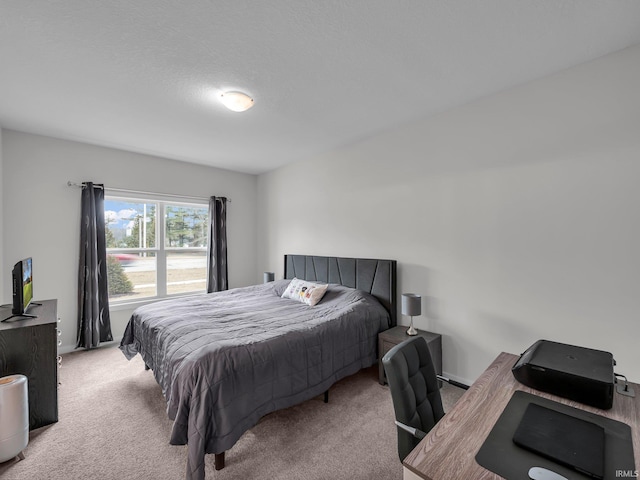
142	75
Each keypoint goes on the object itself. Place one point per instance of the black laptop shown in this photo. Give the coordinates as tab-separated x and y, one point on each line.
567	440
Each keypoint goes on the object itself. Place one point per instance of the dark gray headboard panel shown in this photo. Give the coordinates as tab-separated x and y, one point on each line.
377	277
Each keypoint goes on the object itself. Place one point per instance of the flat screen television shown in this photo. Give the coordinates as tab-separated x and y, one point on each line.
22	277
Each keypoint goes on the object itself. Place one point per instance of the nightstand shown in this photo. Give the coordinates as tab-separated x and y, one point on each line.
392	337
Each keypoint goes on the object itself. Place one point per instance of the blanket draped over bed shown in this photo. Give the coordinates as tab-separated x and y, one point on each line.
225	359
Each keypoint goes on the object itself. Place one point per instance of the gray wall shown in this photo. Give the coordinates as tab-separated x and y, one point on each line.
516	217
2	279
41	213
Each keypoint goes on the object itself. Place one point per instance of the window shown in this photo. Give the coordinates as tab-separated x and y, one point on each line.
155	248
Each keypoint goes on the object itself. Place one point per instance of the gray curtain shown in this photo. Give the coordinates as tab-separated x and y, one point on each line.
94	324
217	276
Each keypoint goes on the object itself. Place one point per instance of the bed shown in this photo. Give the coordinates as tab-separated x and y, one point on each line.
226	359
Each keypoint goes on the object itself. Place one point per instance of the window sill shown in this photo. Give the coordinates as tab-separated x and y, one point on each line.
117	307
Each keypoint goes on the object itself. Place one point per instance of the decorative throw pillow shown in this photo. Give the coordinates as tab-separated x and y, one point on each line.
305	292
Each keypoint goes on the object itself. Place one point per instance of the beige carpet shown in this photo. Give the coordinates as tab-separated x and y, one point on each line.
113	425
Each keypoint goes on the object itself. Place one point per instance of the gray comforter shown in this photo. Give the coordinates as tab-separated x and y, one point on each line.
224	360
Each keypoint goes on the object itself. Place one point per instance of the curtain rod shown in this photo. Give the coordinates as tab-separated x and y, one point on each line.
142	192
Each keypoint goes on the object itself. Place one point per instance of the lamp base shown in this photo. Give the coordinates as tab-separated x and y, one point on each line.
411	331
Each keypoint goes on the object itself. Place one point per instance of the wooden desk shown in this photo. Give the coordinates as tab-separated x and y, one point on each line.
449	450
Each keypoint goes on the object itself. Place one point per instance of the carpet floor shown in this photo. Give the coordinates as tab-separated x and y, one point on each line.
113	425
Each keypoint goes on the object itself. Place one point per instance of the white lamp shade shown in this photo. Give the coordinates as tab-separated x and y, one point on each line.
236	101
411	304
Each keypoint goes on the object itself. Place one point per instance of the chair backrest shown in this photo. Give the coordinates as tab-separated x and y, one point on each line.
414	390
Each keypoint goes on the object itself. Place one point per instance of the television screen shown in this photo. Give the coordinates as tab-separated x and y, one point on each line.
22	286
27	284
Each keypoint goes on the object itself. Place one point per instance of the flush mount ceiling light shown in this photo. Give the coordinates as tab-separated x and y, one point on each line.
236	101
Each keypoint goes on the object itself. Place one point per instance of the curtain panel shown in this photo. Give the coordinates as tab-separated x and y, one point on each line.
217	274
94	323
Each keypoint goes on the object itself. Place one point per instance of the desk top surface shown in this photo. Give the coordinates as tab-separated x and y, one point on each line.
449	450
46	313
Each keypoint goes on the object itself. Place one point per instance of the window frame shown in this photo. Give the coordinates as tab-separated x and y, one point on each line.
160	250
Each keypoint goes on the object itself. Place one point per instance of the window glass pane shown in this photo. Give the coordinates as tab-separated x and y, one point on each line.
131	276
186	272
186	226
141	266
130	224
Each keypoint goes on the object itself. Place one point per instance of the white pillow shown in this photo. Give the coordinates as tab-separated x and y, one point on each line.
305	292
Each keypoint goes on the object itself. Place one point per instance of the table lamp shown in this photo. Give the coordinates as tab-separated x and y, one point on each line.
268	277
411	306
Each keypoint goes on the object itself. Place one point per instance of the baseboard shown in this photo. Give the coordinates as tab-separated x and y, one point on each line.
72	348
457	378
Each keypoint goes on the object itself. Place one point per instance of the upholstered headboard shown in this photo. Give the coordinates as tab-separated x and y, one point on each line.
374	276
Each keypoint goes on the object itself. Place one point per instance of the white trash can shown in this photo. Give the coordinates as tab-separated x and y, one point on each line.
14	416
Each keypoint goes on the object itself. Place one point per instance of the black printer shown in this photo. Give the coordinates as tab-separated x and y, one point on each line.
577	373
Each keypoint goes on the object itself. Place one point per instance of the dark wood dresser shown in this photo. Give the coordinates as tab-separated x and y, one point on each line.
29	346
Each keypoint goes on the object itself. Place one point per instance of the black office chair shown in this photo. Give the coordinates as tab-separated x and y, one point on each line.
414	390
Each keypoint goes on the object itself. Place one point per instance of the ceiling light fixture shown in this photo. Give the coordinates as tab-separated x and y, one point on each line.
236	101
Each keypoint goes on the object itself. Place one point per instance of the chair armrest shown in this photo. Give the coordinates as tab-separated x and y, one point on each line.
453	382
419	434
